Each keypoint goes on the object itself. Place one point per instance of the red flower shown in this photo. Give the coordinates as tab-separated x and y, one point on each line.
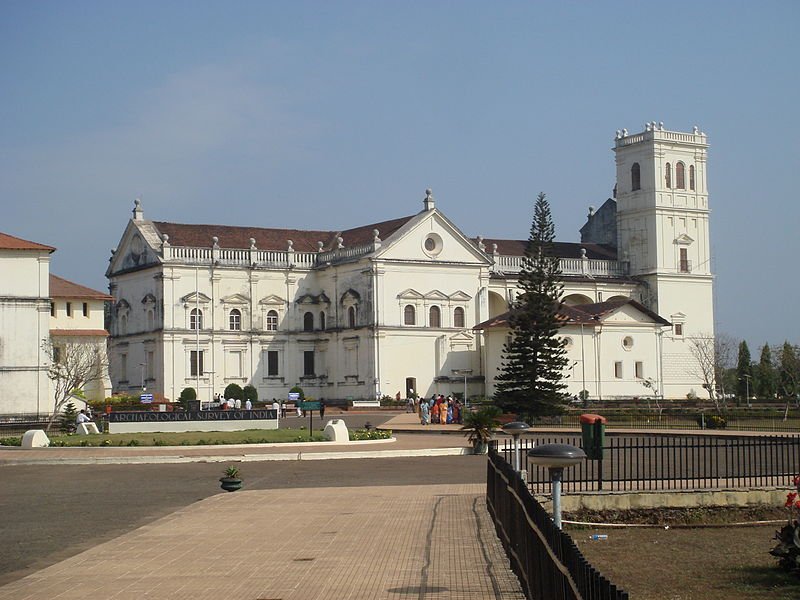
790	498
797	504
796	480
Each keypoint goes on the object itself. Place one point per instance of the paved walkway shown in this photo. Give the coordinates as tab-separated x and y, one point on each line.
424	542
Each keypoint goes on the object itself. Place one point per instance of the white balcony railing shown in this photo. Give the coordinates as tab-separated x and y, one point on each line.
588	267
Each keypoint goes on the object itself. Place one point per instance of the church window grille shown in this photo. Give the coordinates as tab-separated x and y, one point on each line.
196	360
458	317
196	319
680	176
272	320
235	320
351	316
678	329
434	317
308	363
668	176
684	266
636	177
272	363
308	321
409	315
691	177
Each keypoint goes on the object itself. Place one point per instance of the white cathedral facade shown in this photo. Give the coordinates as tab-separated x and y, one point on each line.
414	305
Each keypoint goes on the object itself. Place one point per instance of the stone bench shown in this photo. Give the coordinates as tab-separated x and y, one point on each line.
366	403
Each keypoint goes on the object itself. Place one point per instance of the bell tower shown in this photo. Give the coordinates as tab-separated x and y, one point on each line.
663	233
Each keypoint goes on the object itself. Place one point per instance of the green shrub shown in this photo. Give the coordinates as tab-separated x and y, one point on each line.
234	390
67	420
250	393
712	421
11	441
188	393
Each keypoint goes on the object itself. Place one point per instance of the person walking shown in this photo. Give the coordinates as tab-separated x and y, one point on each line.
322	408
248	405
424	412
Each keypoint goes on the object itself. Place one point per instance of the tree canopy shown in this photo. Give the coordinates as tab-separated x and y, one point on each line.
531	379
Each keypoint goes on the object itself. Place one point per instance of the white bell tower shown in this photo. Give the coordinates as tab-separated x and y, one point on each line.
663	232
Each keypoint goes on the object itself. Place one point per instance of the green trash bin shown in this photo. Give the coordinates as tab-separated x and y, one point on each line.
593	429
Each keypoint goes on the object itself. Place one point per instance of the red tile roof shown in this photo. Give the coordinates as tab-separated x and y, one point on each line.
273	239
581	314
9	242
79	332
62	288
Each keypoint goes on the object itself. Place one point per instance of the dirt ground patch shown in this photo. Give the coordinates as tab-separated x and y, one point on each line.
688	562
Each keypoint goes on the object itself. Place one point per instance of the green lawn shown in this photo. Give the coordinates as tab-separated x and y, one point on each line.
191	438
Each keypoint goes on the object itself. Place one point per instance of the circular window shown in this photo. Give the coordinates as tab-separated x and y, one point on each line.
432	244
567	342
627	342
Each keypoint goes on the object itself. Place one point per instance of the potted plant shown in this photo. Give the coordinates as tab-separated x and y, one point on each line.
479	427
231	481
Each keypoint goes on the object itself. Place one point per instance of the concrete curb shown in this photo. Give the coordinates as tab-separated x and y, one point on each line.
289	456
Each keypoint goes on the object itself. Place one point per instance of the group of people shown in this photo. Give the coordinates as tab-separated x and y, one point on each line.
439	410
233	404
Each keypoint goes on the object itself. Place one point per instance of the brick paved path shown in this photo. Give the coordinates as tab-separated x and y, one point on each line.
431	542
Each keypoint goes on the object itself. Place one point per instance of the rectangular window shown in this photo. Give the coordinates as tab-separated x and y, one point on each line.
85	309
69	309
52	309
272	363
685	267
639	370
308	363
678	329
618	370
196	360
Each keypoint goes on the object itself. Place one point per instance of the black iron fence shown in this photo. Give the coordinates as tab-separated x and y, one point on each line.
758	421
669	462
544	558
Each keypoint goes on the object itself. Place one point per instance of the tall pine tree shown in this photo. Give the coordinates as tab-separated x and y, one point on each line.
766	377
531	379
744	373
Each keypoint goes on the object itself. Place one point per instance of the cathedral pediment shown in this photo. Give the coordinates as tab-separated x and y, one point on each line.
435	295
684	240
195	297
272	300
236	299
460	296
410	294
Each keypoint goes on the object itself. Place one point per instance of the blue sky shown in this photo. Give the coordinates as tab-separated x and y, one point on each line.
326	115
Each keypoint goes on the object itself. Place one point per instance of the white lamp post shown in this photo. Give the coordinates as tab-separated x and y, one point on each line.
556	457
516	429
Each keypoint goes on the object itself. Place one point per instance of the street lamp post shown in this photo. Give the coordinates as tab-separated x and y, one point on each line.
556	457
747	388
516	429
465	373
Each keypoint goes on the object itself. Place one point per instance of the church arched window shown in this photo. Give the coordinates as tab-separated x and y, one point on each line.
680	176
458	317
409	315
691	177
235	320
351	316
308	321
322	320
196	319
272	320
636	177
668	176
434	317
